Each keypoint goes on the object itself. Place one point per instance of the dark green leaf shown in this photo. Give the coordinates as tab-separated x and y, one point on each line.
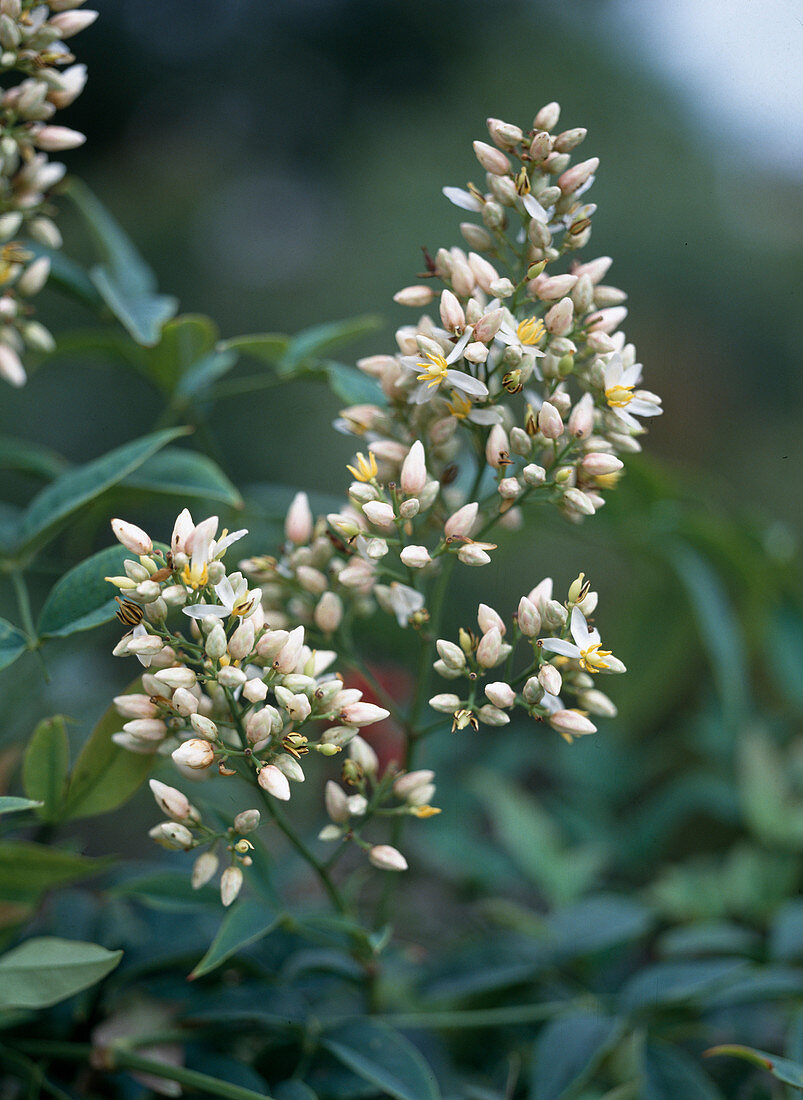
53	506
786	933
30	458
597	923
45	970
184	473
183	342
669	1074
267	346
785	658
125	282
11	804
791	1073
382	1056
568	1051
758	984
353	387
293	1090
674	982
708	938
205	371
771	806
82	598
13	643
105	775
318	341
168	890
470	970
44	772
68	276
27	870
246	923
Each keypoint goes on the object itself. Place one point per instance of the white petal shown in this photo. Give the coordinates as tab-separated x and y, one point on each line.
206	611
560	645
464	199
644	408
423	393
457	350
227	540
580	631
485	416
225	593
631	376
466	383
534	208
627	418
613	371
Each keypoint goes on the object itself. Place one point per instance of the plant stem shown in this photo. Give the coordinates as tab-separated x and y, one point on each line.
111	1059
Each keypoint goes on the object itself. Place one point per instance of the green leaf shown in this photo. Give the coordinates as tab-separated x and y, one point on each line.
184	341
205	371
269	347
11	804
316	342
44	771
669	1073
353	387
708	938
184	473
105	775
382	1056
246	923
167	890
68	276
786	933
791	1073
13	643
125	282
82	598
27	870
53	506
598	923
773	810
45	970
29	458
669	983
568	1050
293	1090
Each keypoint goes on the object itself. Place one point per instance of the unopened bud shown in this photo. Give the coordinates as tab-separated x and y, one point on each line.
231	882
131	537
385	857
194	753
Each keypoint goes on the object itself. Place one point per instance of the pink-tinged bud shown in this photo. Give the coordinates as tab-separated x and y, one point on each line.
288	656
415	557
231	882
533	474
473	554
547	117
146	729
509	488
560	317
577	175
490	648
337	803
528	618
71	83
550	287
182	529
484	272
203	869
581	421
492	716
461	523
135	706
414	470
452	313
570	139
571	723
501	694
271	643
407	784
504	134
608	320
328	614
362	714
463	279
275	782
170	801
57	139
178	677
241	643
379	513
579	502
255	690
595	269
497	448
550	679
194	753
550	423
298	523
540	147
131	537
414	296
11	368
597	702
386	858
363	755
68	23
246	821
487	618
492	160
599	464
488	325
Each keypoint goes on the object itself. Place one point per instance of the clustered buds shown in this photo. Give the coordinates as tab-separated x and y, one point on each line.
32	42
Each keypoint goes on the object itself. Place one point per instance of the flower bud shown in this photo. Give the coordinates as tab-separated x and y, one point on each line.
550	287
415	557
178	677
203	869
473	554
407	784
135	706
461	523
445	703
414	296
571	723
600	464
362	714
170	834
328	613
532	691
34	277
476	236
547	117
379	513
231	677
363	755
384	856
184	702
146	729
450	653
452	313
577	175
231	882
274	781
579	501
246	821
533	475
204	727
497	449
528	618
288	656
559	318
509	488
492	716
550	423
132	538
581	420
170	801
290	767
68	23
489	648
491	159
57	139
554	614
500	694
414	470
255	690
336	802
550	679
194	753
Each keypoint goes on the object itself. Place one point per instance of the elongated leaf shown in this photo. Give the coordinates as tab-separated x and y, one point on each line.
597	923
791	1073
184	342
45	970
246	923
269	347
51	508
68	276
11	804
125	282
318	341
669	1074
382	1056
167	890
293	1090
13	643
567	1051
184	473
44	772
105	775
205	371
354	387
675	982
29	458
82	599
27	870
708	938
786	933
772	809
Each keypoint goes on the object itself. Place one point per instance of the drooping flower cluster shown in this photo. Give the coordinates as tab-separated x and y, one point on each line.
554	664
33	41
232	695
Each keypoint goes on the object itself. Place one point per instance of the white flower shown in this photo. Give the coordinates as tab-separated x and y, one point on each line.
399	600
434	371
622	401
464	199
235	599
203	548
586	649
524	336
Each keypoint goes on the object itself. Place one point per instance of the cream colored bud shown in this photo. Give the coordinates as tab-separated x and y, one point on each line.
362	714
387	858
330	832
581	421
363	755
410	782
328	613
570	139
184	702
241	643
11	368
298	707
358	805
520	442
476	236
246	821
550	423
550	679
451	654
473	554
379	513
550	287
491	159
500	694
170	834
170	801
452	315
336	802
298	522
179	677
231	677
231	882
540	147
504	134
532	691
414	470
195	753
135	706
255	690
415	557
489	648
484	272
204	727
463	279
408	509
554	614
601	464
577	175
445	703
131	537
290	767
528	618
461	523
560	317
579	502
533	475
414	296
497	448
608	320
274	781
547	117
203	869
571	722
492	716
288	656
57	139
487	618
146	729
271	643
34	277
509	488
597	702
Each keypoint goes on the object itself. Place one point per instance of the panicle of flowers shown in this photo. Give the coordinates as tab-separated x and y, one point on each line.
562	655
33	42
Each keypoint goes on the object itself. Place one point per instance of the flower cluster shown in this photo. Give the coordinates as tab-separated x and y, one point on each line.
232	695
554	664
32	39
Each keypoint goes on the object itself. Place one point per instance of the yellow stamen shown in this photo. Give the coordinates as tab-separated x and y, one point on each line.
523	182
593	658
425	811
194	575
366	468
619	396
435	373
459	406
530	330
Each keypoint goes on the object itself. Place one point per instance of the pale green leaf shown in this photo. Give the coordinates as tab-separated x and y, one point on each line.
246	923
45	970
44	770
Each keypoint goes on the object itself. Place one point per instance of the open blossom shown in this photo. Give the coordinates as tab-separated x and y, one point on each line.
433	371
586	648
235	599
622	401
